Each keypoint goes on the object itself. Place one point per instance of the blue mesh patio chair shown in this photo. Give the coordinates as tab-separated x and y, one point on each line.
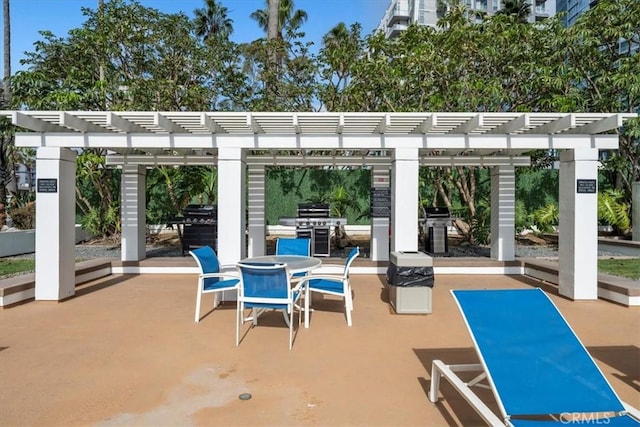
266	287
212	277
336	284
530	358
294	246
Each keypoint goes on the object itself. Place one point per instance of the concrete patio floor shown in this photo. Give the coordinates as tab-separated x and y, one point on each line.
125	351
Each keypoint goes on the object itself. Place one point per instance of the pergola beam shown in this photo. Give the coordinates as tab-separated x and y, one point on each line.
118	122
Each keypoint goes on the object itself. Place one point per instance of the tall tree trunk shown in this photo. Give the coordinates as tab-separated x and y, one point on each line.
7	175
7	50
273	32
273	26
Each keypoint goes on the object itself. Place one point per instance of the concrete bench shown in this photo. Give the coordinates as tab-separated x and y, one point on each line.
22	288
613	288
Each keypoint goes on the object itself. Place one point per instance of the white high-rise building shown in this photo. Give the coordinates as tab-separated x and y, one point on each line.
402	13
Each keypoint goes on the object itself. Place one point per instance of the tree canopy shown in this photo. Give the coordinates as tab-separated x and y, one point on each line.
130	57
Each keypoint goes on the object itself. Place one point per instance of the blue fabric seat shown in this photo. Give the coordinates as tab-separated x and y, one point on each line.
212	277
338	285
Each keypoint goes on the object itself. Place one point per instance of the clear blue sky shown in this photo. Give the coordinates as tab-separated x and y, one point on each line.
28	17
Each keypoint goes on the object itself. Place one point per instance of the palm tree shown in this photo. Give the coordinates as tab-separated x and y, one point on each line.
520	8
7	177
212	21
289	19
7	49
273	21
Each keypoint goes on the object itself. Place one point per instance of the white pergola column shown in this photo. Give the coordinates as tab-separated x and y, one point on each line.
503	211
379	225
404	199
257	207
578	232
132	213
232	169
55	223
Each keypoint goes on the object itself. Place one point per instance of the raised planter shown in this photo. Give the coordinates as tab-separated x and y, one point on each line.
17	242
20	242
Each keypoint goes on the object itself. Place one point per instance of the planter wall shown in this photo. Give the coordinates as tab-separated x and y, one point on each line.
17	242
24	241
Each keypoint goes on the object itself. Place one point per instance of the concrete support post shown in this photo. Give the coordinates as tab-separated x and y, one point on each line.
380	225
578	233
132	213
503	211
635	216
257	208
232	170
404	199
55	223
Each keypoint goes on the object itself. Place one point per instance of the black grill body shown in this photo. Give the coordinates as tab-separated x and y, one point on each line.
310	224
436	221
197	226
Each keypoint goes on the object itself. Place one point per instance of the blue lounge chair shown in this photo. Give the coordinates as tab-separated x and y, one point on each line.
537	368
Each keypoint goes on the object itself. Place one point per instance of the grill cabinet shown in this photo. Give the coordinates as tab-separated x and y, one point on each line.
436	221
313	222
197	226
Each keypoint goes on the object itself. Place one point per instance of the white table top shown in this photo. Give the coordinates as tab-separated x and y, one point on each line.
296	263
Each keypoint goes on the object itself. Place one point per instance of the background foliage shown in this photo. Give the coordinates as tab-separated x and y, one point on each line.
126	56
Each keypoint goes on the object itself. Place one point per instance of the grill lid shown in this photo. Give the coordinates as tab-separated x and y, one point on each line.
313	210
201	211
436	212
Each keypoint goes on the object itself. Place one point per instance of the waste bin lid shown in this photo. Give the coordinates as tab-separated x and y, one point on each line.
411	259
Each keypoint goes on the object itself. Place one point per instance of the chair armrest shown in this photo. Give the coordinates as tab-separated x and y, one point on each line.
219	275
340	266
228	267
298	287
323	277
324	267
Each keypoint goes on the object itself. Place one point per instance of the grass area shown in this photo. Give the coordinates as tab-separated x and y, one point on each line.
629	268
14	266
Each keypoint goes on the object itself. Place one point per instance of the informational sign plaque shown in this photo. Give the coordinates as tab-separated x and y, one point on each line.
586	186
47	185
380	202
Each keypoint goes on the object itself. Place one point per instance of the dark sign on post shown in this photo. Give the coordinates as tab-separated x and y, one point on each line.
586	186
380	202
47	185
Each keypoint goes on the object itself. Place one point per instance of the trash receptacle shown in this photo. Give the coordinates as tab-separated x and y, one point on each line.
410	281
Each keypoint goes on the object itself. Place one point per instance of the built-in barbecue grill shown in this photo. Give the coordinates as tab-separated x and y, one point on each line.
436	221
313	222
197	226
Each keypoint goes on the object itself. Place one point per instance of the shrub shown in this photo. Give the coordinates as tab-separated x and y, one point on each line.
24	217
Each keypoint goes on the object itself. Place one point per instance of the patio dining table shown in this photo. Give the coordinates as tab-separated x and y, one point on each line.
296	263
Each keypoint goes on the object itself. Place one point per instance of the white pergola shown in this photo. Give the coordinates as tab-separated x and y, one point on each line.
242	145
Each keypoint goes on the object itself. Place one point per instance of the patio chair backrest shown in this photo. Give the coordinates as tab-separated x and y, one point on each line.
296	246
207	261
352	255
264	281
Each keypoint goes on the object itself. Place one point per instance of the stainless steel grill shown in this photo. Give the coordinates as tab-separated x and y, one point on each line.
313	222
197	226
436	221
